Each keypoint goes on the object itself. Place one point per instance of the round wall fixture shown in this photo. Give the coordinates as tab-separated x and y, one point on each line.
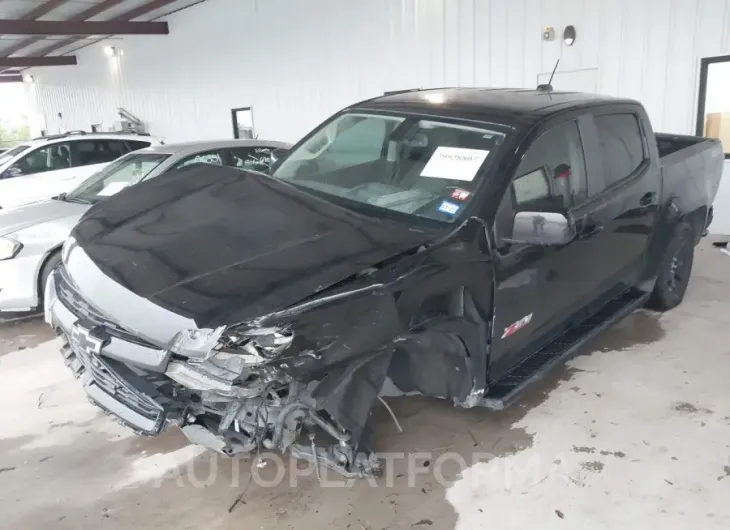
569	35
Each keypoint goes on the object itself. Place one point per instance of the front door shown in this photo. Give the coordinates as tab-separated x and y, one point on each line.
43	171
538	286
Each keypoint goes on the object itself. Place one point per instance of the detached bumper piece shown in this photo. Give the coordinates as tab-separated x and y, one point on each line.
114	393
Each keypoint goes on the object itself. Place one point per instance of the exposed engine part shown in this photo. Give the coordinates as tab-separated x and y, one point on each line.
341	459
239	406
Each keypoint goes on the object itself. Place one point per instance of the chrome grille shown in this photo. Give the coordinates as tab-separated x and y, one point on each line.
75	303
109	381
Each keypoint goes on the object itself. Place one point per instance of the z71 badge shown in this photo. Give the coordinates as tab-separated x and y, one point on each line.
512	328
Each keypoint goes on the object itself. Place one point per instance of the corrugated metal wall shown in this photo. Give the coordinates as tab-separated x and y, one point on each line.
296	62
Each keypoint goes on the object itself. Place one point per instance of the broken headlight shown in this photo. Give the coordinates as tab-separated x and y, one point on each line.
270	341
202	344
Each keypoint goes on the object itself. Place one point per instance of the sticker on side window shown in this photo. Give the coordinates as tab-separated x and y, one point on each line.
449	207
455	163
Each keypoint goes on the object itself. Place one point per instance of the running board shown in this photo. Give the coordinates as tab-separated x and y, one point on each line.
505	391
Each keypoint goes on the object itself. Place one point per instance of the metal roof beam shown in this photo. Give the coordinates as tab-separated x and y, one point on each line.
129	15
73	27
92	11
25	62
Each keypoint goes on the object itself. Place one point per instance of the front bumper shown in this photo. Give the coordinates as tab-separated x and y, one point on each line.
124	390
19	282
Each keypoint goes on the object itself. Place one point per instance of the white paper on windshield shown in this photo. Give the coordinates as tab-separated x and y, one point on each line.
456	163
112	188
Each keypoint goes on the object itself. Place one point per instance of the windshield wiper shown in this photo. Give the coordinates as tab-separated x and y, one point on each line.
63	197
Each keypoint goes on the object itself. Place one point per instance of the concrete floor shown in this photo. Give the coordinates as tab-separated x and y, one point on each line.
633	434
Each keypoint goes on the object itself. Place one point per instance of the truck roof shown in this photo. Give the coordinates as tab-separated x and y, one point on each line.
486	103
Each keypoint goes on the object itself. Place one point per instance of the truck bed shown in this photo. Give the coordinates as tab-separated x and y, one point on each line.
692	167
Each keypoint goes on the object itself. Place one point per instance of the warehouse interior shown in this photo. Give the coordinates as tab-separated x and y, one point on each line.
633	432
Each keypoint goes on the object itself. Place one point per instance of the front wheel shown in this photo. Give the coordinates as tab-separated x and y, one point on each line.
674	270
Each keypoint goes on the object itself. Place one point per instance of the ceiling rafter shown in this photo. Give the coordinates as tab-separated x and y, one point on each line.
90	12
70	27
26	62
127	16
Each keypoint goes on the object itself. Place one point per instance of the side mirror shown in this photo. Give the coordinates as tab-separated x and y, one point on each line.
542	228
276	156
12	172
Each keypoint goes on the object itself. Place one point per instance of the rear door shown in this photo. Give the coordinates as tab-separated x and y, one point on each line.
617	222
89	156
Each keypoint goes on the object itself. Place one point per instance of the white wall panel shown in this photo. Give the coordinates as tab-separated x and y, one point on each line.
296	62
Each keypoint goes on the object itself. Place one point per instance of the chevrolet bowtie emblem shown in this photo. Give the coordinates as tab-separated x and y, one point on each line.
88	341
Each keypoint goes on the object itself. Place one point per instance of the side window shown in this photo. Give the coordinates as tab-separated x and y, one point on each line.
89	152
48	158
552	174
137	144
214	157
622	149
118	147
255	158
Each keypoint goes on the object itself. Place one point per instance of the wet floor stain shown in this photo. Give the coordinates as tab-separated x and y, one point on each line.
690	408
617	454
23	334
638	328
596	467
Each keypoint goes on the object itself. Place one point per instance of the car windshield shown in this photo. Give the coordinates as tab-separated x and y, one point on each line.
424	167
10	153
118	175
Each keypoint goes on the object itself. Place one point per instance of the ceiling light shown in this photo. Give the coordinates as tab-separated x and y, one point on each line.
110	51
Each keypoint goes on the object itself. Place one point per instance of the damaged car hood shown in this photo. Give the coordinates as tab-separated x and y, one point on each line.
219	245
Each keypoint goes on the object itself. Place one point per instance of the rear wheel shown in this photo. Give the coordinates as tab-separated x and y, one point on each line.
674	270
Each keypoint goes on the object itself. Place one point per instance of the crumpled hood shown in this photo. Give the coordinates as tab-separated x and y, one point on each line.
18	218
224	246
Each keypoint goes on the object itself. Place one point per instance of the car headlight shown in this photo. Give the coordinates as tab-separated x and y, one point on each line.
271	341
202	344
9	248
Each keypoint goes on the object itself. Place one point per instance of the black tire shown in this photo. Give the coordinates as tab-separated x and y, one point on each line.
675	269
51	263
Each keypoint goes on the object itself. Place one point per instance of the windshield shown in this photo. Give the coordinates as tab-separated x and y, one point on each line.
423	167
7	155
115	177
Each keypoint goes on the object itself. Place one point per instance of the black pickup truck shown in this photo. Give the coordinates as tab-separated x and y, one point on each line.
453	243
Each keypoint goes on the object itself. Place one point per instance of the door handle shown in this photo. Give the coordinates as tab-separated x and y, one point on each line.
590	231
647	199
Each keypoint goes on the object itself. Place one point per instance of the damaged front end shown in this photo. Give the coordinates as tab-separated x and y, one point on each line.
250	387
274	382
